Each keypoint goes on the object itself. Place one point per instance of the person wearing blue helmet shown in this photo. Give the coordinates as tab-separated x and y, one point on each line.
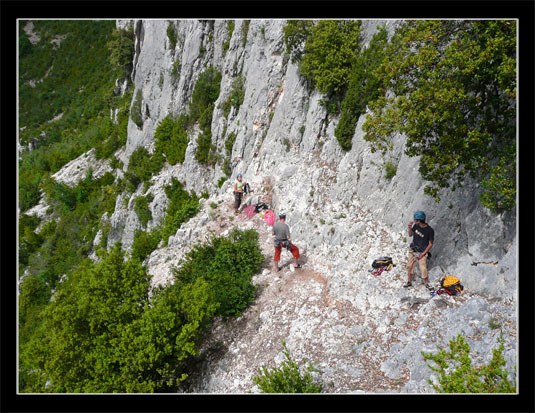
423	237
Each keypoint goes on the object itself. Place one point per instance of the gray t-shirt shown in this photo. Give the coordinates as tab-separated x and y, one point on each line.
281	231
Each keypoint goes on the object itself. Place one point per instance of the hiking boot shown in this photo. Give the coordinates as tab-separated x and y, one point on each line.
429	287
409	284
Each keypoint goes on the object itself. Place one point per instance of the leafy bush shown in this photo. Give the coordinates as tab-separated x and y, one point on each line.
296	33
236	96
144	243
29	241
287	378
454	97
172	35
390	169
364	87
329	51
100	334
221	181
230	29
462	377
204	94
244	31
227	265
171	138
142	166
141	207
136	112
182	206
122	50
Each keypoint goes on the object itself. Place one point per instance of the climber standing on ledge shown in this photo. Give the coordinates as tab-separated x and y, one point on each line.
238	192
422	241
281	231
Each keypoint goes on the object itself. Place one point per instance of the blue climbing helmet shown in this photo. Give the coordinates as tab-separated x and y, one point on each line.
419	215
239	176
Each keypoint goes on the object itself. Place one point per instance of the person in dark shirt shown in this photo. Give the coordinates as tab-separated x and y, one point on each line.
423	237
281	231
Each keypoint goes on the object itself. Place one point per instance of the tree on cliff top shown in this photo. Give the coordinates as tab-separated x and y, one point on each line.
454	97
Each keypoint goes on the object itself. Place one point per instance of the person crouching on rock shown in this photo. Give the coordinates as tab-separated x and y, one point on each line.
238	192
422	241
281	231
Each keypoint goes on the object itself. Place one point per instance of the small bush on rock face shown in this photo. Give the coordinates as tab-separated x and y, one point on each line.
462	377
135	112
390	169
286	378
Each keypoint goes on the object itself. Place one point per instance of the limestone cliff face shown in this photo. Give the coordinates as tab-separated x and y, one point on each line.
283	133
365	333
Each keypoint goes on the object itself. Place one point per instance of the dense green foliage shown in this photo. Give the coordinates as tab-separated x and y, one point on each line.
142	166
454	90
462	377
172	35
141	207
244	32
122	51
230	29
329	52
182	206
101	335
326	51
171	138
287	378
236	97
116	132
227	265
364	87
448	85
201	108
136	111
72	81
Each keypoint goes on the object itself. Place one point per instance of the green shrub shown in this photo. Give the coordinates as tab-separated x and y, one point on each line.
230	29
144	243
101	335
229	143
175	71
462	377
142	166
236	96
364	87
221	181
29	241
390	169
171	138
244	31
287	378
448	79
172	35
228	265
141	207
205	93
122	50
329	51
136	111
182	206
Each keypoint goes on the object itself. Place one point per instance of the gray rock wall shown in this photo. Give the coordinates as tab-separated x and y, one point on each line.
284	134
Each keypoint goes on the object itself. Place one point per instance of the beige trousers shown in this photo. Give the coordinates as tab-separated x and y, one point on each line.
422	263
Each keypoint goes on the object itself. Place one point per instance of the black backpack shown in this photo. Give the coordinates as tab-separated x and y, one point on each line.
382	262
261	206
